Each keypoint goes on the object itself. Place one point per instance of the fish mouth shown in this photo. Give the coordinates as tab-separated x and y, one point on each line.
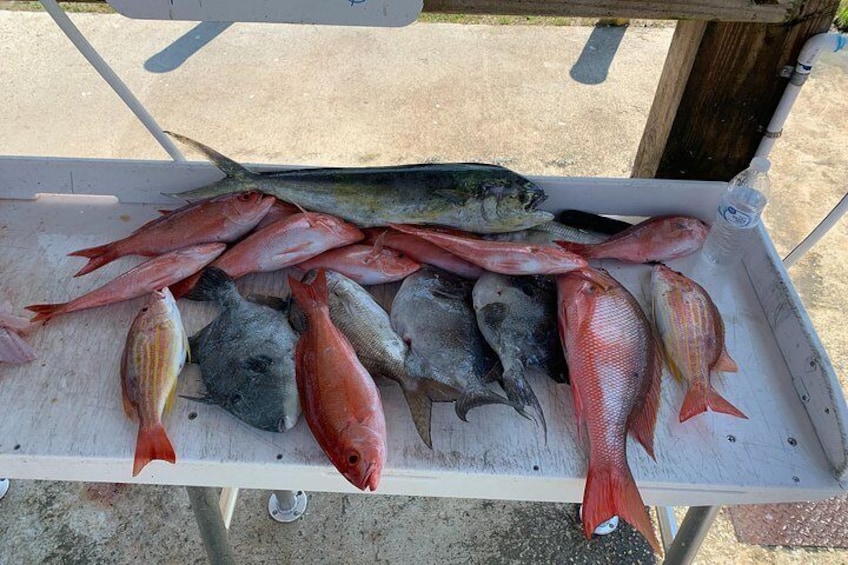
369	480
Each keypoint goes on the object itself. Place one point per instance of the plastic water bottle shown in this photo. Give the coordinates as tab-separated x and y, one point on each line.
738	214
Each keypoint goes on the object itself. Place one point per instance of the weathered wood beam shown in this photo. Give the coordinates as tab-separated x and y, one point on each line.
732	91
678	64
710	10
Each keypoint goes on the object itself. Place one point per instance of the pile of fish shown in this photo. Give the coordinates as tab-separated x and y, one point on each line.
493	294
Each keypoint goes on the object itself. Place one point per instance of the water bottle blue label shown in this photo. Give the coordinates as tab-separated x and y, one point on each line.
735	217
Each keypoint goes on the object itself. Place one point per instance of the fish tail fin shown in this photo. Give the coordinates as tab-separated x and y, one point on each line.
152	443
479	397
611	491
237	180
214	284
702	397
97	257
519	391
43	312
310	296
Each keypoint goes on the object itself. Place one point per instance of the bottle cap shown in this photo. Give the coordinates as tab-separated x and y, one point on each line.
760	164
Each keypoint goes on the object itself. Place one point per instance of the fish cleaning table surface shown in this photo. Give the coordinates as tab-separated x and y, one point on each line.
63	420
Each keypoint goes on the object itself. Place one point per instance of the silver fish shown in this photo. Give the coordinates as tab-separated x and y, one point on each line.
246	357
517	316
432	313
380	349
547	233
469	196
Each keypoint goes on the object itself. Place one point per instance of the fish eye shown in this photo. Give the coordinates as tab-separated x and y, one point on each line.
235	398
353	458
244	196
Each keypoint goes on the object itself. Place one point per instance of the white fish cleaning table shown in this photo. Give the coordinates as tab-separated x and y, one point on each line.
66	421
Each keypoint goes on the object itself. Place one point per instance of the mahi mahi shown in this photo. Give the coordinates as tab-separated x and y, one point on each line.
470	196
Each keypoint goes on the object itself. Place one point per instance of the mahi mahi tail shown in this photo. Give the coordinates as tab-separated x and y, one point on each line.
238	178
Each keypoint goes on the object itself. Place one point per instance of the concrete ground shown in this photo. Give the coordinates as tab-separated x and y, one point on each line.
561	101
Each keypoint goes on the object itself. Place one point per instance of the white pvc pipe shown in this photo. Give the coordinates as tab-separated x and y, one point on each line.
820	231
809	53
93	57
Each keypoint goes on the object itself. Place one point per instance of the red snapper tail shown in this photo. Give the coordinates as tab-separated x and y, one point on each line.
612	491
701	398
43	312
97	257
152	443
313	296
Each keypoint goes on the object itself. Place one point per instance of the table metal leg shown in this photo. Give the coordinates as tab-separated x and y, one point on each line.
692	532
204	503
287	505
4	487
668	525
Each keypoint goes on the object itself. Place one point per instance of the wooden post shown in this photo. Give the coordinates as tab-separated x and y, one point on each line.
732	91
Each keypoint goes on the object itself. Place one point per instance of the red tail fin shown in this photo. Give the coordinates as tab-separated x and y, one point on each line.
609	492
152	443
44	312
97	257
310	296
702	397
579	248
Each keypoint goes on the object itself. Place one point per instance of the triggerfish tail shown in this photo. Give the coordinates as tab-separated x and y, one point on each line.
313	296
611	491
702	397
480	397
152	443
43	312
97	257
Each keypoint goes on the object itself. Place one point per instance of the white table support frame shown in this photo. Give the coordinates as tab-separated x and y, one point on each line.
214	513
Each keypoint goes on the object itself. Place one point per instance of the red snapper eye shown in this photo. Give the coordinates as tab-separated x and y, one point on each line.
245	196
353	458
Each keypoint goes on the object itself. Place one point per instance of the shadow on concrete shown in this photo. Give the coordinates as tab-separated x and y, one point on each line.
180	50
593	64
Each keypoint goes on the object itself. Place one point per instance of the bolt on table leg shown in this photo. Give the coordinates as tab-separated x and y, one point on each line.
287	505
4	487
204	503
691	534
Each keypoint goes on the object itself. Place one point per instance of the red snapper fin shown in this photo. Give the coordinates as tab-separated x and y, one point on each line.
612	492
700	398
97	257
643	418
724	363
152	443
43	312
574	247
311	296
